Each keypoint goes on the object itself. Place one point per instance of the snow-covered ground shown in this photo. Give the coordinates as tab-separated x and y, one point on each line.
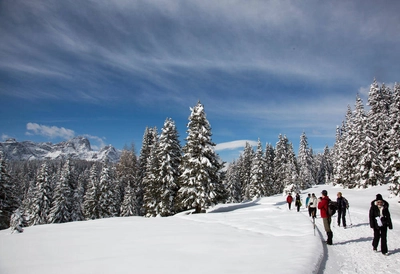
261	236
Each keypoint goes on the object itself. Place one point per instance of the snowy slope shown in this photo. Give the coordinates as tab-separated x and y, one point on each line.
262	236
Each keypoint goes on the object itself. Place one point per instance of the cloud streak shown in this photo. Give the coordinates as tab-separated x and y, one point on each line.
234	145
49	131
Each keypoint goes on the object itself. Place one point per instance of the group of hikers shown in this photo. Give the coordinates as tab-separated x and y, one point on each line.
379	215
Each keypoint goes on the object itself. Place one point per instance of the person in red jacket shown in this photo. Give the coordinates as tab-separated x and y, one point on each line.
323	207
289	200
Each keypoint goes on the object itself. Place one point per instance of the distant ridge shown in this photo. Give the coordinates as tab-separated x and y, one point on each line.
75	148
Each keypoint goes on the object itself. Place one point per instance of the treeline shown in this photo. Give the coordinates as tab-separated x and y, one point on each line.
166	178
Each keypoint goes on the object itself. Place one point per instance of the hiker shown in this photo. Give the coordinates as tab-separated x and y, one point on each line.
308	200
380	221
323	203
312	206
343	205
289	200
298	202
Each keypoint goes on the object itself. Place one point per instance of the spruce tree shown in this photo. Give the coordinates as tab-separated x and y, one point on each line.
169	156
147	143
91	209
127	176
152	182
201	182
42	199
286	173
108	194
8	199
244	170
257	184
269	169
305	162
62	200
232	183
394	153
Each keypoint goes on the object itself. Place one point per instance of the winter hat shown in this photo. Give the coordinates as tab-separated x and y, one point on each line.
379	197
324	192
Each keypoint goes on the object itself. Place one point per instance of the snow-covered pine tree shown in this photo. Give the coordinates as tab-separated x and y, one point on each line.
147	143
92	195
305	162
257	185
325	169
244	170
151	181
108	195
394	153
8	199
200	180
127	169
42	198
232	183
269	169
286	174
170	156
376	128
62	199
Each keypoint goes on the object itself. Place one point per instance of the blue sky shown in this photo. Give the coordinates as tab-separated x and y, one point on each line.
107	69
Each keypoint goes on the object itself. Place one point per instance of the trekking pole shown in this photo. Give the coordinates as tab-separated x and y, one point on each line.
351	223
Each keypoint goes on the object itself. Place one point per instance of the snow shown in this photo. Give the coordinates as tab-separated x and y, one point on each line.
261	236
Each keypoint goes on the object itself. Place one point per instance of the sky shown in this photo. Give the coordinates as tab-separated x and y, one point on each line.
107	69
259	236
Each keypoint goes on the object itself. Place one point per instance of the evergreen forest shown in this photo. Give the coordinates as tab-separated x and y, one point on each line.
166	178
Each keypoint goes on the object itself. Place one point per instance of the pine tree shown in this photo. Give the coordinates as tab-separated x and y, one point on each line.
232	184
286	174
305	162
169	155
269	169
394	153
201	182
108	195
244	170
91	199
152	182
62	200
8	200
42	199
257	184
147	143
376	129
127	176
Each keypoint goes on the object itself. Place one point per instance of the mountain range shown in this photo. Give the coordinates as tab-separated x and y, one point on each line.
75	148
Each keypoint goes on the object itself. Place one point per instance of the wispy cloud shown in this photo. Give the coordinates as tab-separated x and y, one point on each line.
5	137
49	131
234	145
153	43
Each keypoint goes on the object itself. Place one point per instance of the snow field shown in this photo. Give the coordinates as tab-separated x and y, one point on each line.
261	236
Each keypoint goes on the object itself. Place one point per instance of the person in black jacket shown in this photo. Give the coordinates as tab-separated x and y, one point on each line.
380	221
343	205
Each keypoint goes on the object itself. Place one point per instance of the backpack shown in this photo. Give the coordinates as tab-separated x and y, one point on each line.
332	208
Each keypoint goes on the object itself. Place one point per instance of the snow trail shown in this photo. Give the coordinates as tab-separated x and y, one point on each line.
351	251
